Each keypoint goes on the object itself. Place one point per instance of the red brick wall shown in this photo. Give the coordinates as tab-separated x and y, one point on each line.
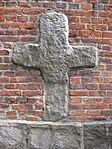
21	89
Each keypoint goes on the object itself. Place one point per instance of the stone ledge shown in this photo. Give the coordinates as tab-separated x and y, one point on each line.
55	135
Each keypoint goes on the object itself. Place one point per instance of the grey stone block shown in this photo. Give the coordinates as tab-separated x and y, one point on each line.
96	136
55	137
11	138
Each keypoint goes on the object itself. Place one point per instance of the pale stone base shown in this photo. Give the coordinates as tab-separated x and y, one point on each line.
52	135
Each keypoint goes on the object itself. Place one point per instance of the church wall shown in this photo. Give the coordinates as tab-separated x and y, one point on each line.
22	89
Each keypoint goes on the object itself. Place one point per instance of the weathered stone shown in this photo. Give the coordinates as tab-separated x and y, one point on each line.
54	56
40	137
96	136
67	137
55	137
11	138
110	135
56	101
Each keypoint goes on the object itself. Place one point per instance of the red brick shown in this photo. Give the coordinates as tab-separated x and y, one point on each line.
23	4
79	118
108	100
86	80
79	1
107	48
108	80
22	107
47	4
7	45
78	112
32	11
10	99
11	4
106	112
109	93
79	93
39	107
107	21
97	20
9	86
10	11
6	60
8	39
104	1
4	52
108	54
85	20
4	105
1	4
93	112
85	33
96	34
98	79
10	114
106	87
33	86
89	100
22	18
32	93
27	39
76	80
21	73
36	113
73	19
106	60
96	27
2	32
19	80
4	80
5	25
10	93
10	32
94	93
36	4
99	106
33	18
22	32
107	34
21	86
75	106
1	18
33	100
110	27
98	100
11	18
77	26
76	100
86	6
9	74
92	86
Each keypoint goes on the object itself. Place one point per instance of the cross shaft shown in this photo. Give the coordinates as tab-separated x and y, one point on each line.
54	56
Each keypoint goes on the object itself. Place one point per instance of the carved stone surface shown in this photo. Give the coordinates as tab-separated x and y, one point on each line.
11	138
54	56
55	135
98	136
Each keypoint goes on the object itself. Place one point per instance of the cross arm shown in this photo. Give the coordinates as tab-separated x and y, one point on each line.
26	55
82	56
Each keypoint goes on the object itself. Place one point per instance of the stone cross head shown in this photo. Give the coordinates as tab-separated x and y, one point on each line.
54	56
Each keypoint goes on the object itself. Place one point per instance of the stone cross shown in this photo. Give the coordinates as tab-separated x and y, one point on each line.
54	56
